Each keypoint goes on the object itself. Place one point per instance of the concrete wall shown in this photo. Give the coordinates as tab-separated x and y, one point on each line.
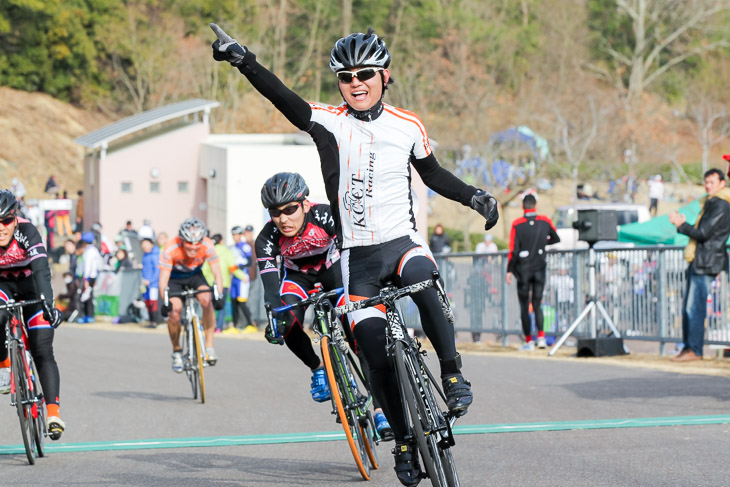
168	158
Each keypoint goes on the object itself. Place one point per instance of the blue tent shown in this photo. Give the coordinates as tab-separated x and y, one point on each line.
523	135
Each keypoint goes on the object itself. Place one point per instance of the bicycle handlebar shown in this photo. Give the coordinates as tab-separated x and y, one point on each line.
315	298
12	304
390	294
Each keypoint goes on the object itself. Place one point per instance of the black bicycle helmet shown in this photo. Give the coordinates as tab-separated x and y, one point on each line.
8	203
359	49
193	230
282	188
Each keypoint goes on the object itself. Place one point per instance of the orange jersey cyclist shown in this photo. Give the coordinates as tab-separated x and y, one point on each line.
25	275
367	152
181	264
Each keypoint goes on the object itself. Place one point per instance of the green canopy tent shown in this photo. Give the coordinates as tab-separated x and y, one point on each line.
659	230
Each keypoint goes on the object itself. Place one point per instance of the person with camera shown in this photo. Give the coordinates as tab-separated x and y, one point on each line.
707	257
526	262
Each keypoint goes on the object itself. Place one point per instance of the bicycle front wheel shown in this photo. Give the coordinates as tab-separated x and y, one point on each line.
191	370
423	418
338	389
38	410
21	396
199	357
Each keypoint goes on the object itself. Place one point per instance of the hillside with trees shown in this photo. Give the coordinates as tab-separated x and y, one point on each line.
614	86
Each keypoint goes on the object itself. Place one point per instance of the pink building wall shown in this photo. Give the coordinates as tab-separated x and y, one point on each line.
175	156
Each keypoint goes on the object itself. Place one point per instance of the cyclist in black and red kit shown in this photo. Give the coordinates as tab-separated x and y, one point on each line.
367	151
25	275
526	261
302	235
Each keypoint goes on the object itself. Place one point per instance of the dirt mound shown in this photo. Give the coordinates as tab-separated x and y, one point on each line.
38	140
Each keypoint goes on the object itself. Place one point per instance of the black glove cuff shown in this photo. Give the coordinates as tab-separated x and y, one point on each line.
249	63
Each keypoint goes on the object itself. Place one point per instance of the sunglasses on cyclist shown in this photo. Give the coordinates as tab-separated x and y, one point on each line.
363	74
8	220
287	210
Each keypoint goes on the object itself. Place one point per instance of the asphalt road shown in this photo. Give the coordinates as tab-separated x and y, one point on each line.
119	394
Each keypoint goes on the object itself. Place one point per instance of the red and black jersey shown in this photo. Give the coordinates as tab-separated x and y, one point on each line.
527	240
25	256
311	251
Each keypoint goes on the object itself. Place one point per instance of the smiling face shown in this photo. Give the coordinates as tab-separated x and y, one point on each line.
289	225
363	95
7	228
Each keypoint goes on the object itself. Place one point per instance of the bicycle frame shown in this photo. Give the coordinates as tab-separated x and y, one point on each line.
194	356
430	426
350	402
26	396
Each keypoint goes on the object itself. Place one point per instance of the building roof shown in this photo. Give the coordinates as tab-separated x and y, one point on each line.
101	137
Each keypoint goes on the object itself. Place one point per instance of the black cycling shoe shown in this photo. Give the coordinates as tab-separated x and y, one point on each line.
406	464
458	393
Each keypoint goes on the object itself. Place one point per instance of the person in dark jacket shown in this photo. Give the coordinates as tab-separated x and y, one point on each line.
526	261
707	257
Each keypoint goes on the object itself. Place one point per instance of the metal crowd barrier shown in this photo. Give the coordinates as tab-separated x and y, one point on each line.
642	289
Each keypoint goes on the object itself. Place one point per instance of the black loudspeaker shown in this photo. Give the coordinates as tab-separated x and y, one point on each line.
600	347
595	225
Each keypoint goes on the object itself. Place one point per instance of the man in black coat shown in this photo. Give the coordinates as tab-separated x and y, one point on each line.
707	257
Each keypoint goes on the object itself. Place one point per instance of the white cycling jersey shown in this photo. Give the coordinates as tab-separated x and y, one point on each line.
376	202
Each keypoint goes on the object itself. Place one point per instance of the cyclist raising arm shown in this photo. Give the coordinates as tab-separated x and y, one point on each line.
302	234
25	275
367	149
181	266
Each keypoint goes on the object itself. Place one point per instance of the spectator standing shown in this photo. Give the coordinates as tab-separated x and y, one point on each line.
17	188
151	280
241	283
69	246
439	242
92	265
79	227
656	193
63	220
486	246
162	239
51	185
707	257
228	267
526	262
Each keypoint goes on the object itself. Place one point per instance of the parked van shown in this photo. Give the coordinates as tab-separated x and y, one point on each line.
566	215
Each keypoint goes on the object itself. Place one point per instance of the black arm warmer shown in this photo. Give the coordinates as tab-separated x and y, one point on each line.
442	181
290	104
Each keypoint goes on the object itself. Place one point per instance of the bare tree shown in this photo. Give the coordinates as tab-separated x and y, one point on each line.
711	124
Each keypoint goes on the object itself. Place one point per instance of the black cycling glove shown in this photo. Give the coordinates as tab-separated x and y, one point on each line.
486	205
54	316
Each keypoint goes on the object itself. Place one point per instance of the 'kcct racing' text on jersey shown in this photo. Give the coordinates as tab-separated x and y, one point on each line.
366	164
25	256
313	250
182	266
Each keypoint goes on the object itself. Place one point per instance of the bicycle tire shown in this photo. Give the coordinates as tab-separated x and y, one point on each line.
188	356
21	394
38	410
419	422
199	358
335	382
369	432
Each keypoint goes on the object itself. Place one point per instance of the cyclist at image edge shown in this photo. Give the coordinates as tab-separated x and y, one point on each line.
367	149
302	234
181	264
25	275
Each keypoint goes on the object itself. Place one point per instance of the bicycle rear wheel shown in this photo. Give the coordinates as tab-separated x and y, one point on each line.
21	394
199	358
38	410
338	389
422	419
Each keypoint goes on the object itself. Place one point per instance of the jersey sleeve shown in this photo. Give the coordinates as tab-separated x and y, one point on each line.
267	249
41	271
210	254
